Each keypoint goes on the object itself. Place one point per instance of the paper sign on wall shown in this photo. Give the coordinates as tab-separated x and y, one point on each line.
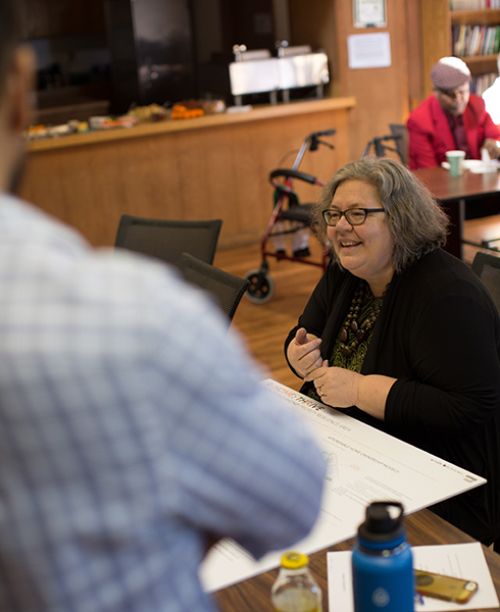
369	50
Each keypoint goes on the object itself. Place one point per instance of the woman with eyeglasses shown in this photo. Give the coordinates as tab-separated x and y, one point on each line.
402	335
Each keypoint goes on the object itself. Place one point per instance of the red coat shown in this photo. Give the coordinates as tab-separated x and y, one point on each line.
430	136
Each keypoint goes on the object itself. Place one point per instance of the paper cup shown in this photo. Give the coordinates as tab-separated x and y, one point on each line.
455	159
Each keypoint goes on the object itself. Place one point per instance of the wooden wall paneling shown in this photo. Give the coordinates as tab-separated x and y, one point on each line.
253	208
414	50
219	187
90	187
381	93
149	178
193	177
436	37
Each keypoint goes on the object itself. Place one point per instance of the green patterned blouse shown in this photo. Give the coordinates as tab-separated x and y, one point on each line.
368	313
351	345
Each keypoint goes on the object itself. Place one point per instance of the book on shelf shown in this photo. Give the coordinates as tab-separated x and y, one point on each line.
468	40
480	83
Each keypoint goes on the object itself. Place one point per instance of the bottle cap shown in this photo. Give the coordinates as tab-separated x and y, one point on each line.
382	522
294	560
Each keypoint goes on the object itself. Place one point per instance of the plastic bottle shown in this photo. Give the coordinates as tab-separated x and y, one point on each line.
382	562
295	589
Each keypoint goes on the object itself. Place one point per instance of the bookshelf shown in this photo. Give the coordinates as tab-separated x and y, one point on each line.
473	35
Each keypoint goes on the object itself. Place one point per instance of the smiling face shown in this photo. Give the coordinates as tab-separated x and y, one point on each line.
365	250
454	101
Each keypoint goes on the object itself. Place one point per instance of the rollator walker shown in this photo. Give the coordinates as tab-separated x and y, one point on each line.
289	217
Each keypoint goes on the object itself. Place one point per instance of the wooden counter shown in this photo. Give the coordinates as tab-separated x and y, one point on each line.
212	167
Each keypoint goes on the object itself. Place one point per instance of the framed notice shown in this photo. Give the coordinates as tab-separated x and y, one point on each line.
371	50
369	13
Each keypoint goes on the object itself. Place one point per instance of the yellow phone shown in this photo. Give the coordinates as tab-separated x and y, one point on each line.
444	587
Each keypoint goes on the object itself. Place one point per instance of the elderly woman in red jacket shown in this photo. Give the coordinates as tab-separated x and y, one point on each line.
451	118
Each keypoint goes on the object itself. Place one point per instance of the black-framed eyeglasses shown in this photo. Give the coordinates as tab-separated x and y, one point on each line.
354	216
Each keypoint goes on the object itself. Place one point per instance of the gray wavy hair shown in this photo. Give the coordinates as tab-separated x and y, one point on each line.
417	223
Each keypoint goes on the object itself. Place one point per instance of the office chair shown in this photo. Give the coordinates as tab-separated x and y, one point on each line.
487	267
400	133
167	239
380	146
226	289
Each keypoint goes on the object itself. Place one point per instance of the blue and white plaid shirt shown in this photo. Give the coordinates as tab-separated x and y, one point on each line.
131	425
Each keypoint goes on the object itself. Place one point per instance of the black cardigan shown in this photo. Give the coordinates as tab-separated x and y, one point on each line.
438	334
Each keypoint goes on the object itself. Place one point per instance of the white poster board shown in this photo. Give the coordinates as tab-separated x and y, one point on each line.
365	465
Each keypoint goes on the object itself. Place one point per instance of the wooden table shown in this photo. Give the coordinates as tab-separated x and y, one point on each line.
453	192
424	528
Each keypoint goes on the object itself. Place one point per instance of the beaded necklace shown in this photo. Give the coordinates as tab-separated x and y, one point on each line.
354	335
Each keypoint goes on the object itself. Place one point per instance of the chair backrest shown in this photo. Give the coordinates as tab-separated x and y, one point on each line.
487	267
399	131
226	289
167	239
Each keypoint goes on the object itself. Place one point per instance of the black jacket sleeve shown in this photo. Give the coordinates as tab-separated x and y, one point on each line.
455	384
316	312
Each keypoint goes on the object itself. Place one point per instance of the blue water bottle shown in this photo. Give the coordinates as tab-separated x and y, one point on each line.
382	562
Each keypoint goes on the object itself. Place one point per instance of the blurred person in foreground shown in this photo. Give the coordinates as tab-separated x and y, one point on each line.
134	431
402	335
450	119
491	97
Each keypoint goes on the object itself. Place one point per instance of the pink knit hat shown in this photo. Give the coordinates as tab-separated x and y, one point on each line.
450	73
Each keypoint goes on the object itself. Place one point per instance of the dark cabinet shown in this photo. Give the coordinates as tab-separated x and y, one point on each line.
220	24
171	50
140	51
151	46
50	18
250	23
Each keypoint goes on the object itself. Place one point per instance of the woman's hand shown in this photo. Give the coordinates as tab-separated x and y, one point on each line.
303	352
342	388
336	386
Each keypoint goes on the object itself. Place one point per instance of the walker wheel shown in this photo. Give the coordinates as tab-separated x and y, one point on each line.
260	288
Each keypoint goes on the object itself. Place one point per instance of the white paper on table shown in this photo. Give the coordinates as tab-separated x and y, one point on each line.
365	465
459	560
477	166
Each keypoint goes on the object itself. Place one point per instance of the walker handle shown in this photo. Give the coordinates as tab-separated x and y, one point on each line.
314	139
288	173
329	132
